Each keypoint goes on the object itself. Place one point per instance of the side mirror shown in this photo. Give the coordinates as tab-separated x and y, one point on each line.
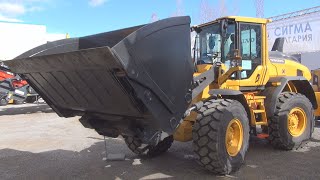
236	55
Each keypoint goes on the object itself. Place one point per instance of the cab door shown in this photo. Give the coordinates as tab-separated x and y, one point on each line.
251	49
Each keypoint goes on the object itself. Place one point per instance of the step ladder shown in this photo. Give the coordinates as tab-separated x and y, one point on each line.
257	108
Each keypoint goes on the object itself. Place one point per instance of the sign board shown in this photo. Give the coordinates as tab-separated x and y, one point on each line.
301	33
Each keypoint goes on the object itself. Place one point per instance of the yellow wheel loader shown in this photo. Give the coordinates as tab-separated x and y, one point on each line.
144	84
316	88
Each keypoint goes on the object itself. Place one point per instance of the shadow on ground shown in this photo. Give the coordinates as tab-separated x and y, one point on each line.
23	109
262	162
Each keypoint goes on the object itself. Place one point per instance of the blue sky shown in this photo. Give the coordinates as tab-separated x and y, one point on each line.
84	17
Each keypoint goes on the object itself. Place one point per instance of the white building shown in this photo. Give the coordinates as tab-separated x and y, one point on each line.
16	38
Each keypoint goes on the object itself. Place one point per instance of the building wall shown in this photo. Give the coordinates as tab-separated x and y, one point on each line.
16	38
311	60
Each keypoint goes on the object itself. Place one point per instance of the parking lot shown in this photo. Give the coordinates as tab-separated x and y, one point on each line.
37	144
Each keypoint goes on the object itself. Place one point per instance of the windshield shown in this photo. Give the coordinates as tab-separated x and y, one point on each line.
211	46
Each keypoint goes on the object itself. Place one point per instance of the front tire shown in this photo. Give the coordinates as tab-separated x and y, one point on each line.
31	99
221	136
293	121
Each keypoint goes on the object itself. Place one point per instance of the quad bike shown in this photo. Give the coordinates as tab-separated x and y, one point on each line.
13	87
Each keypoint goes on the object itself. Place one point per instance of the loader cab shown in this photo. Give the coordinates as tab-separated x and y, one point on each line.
218	41
214	44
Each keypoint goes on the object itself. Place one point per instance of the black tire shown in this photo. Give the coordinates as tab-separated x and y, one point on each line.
134	144
279	135
31	99
209	135
3	102
162	147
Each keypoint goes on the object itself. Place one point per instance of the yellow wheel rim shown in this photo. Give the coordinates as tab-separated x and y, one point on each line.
234	137
297	121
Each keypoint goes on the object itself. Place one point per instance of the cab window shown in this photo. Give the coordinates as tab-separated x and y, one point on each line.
250	46
209	44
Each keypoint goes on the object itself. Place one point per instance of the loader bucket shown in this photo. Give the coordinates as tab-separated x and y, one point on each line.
142	73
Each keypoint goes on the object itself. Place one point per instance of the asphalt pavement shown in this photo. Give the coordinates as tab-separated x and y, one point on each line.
37	144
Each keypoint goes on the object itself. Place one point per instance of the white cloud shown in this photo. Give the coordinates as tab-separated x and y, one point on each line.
95	3
7	19
10	10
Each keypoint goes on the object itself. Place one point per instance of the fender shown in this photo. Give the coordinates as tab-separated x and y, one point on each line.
272	92
232	94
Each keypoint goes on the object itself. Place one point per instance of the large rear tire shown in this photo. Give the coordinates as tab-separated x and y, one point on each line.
221	136
293	121
134	144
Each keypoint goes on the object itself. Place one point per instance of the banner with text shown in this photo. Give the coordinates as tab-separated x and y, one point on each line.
302	33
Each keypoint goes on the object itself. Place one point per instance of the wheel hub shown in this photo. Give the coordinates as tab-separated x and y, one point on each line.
296	121
234	137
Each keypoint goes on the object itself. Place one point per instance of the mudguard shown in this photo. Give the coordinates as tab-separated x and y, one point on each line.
272	92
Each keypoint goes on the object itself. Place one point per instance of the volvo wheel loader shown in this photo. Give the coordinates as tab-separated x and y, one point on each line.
144	84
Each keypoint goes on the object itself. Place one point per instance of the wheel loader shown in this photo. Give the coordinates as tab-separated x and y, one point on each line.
144	84
316	87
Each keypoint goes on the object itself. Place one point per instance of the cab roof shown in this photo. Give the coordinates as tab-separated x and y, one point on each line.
239	19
